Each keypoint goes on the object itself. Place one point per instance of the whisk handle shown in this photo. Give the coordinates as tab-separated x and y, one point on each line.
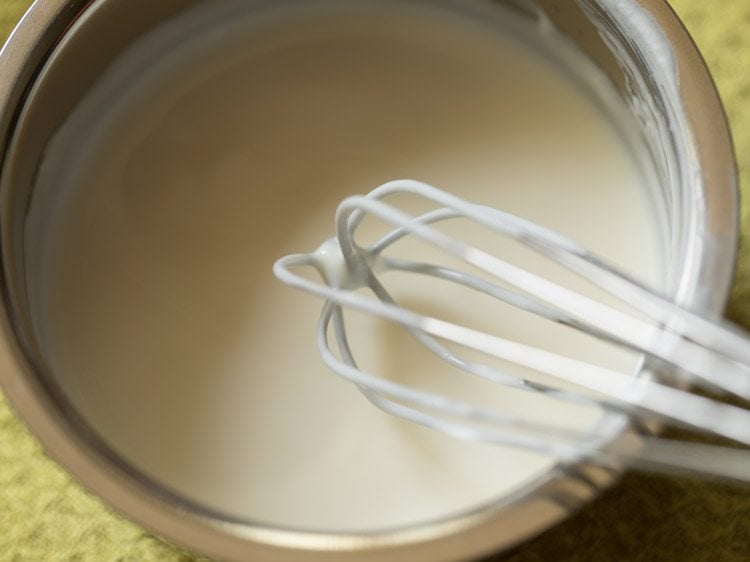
668	456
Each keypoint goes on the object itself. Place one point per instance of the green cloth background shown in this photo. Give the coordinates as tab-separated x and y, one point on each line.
46	517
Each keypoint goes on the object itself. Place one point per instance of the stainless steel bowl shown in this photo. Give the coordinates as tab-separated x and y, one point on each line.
62	46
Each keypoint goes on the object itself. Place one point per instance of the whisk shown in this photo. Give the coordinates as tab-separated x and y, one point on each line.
710	354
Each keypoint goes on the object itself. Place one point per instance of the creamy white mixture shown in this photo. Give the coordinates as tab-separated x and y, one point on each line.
208	153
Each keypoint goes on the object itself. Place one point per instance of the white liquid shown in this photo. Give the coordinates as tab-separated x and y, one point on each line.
185	176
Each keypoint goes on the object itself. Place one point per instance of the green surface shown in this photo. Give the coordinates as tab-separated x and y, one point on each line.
45	516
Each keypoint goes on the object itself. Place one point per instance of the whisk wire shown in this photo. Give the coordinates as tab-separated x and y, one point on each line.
662	330
709	366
